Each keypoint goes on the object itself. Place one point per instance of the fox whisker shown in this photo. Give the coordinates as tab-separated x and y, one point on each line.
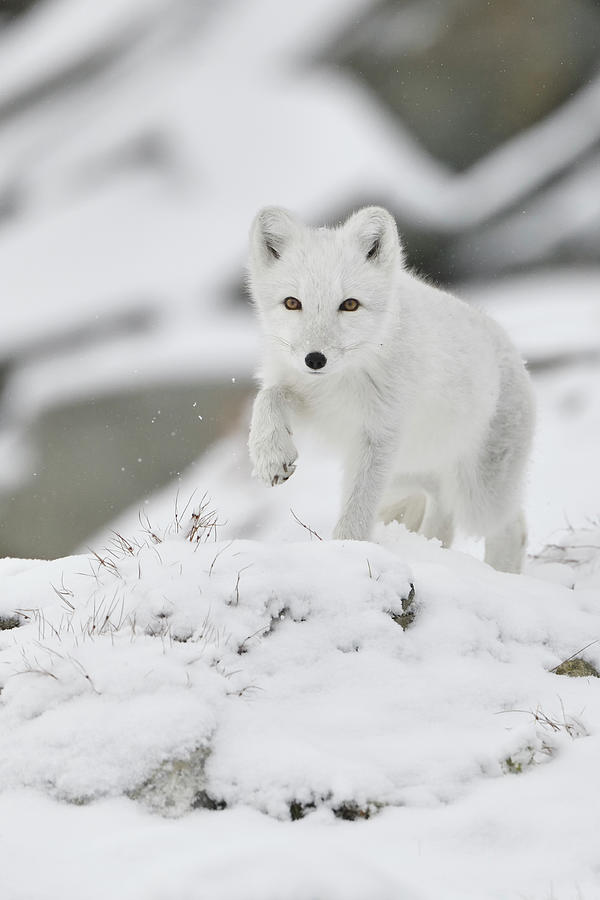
359	346
280	340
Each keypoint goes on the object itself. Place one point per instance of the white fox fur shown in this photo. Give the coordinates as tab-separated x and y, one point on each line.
424	396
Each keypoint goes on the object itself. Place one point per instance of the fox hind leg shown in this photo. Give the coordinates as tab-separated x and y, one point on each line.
505	548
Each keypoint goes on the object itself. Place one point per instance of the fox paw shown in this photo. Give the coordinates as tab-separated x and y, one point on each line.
274	459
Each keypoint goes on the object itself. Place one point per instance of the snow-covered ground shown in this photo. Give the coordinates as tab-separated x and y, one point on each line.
235	719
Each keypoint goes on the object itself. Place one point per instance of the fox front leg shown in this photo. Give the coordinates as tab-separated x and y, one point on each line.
271	447
365	480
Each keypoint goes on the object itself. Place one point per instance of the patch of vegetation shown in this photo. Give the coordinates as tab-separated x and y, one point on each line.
298	810
544	746
512	767
516	765
349	811
7	622
407	616
265	630
528	756
577	668
352	811
204	800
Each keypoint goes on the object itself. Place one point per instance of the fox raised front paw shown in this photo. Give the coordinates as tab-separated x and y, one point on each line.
273	457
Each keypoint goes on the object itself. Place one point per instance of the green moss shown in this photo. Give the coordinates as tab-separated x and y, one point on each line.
577	668
512	767
298	810
349	811
352	811
526	757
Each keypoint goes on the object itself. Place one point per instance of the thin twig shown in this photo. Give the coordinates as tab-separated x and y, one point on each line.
577	652
310	530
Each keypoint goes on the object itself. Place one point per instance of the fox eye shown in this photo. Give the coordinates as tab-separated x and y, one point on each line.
292	303
349	305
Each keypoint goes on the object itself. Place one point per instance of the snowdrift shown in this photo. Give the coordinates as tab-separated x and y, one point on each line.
395	687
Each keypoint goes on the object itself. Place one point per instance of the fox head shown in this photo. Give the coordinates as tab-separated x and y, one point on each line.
323	294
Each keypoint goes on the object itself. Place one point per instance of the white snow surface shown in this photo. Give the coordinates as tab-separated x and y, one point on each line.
277	677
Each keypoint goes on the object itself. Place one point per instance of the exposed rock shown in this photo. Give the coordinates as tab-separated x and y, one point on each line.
177	786
577	668
464	75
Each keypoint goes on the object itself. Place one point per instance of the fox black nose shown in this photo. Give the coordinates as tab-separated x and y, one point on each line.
315	360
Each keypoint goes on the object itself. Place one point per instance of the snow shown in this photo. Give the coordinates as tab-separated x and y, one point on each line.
52	33
276	678
550	314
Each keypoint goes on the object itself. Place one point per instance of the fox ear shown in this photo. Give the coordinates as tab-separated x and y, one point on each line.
375	230
271	230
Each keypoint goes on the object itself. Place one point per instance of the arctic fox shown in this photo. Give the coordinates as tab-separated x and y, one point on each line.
425	397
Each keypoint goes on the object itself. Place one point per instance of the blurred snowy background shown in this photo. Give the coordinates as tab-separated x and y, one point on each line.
137	140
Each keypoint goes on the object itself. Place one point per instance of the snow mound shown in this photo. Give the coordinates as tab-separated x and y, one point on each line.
161	645
187	672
